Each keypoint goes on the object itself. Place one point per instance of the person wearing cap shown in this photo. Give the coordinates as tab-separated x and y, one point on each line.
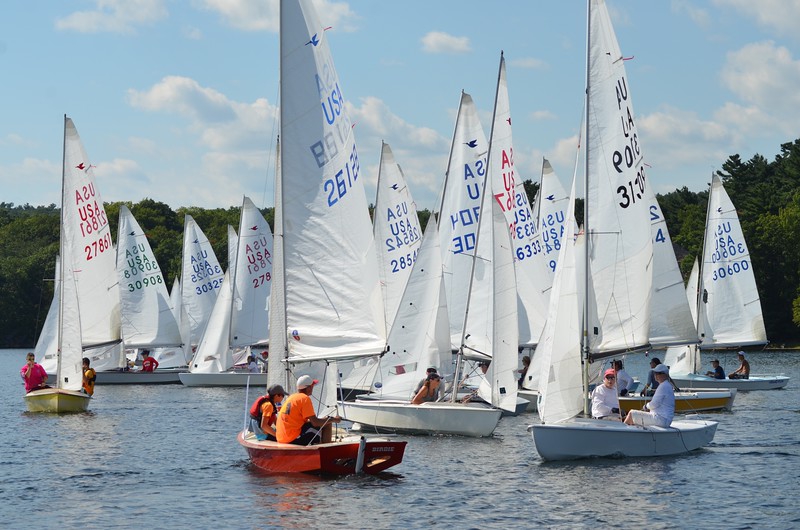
33	374
718	372
625	383
605	401
743	372
440	391
264	413
661	408
297	422
652	384
430	390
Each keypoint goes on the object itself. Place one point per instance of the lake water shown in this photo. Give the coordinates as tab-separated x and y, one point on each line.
167	457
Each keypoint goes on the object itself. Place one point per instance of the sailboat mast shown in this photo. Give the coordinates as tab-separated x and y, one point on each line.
586	227
700	286
62	246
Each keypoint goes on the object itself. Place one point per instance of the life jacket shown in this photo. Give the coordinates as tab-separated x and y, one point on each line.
255	409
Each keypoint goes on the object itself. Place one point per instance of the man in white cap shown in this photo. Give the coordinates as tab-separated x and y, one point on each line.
743	372
660	409
297	422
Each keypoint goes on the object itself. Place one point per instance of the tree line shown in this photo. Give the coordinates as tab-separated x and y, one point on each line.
766	195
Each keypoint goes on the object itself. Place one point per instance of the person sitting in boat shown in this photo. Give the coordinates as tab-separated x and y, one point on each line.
252	365
429	371
661	409
89	377
625	382
149	364
430	391
605	401
743	372
650	388
297	423
33	374
718	372
264	413
526	363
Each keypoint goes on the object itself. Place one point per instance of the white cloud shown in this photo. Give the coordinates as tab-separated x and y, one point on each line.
115	16
778	15
698	15
542	115
264	16
529	62
766	76
439	42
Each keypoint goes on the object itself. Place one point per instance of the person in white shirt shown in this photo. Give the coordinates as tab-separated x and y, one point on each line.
660	409
625	383
605	402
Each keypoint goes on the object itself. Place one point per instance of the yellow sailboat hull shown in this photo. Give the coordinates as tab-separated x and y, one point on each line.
687	402
57	400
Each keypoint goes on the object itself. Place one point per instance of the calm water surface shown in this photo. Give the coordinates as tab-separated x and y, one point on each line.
167	457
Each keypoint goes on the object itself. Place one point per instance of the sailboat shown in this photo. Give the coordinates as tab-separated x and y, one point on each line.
549	210
419	338
147	319
240	318
398	237
672	320
600	304
328	306
728	307
89	305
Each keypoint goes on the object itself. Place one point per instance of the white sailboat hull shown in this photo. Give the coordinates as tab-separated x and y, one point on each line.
224	379
586	438
533	399
137	377
470	419
756	382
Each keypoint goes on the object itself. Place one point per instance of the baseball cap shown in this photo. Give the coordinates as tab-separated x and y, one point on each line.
305	381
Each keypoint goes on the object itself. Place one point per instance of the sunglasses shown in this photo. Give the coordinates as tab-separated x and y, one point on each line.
610	377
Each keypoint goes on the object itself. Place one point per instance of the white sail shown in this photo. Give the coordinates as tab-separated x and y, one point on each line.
213	353
46	349
252	279
398	235
560	381
459	217
147	318
619	241
333	298
200	280
730	307
671	319
691	289
509	193
686	359
505	331
70	350
233	240
88	236
420	334
550	217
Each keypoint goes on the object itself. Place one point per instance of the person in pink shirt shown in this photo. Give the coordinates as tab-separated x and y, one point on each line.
33	374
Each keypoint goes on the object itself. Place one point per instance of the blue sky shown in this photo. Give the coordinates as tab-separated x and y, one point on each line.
176	100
